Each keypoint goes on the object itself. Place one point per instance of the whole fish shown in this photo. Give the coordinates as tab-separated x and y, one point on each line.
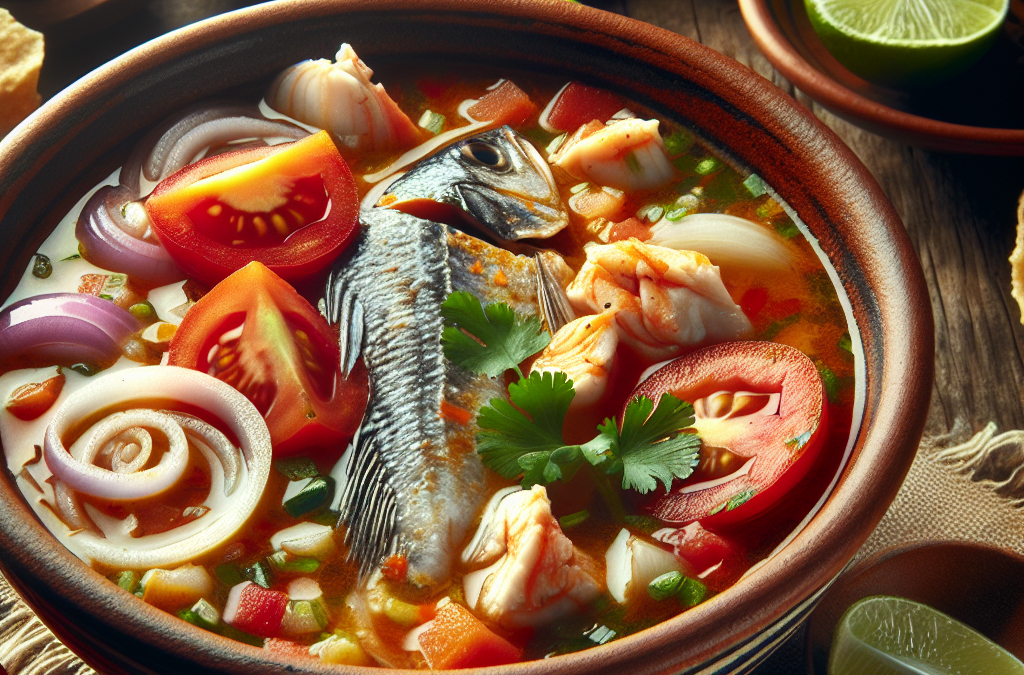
413	481
496	181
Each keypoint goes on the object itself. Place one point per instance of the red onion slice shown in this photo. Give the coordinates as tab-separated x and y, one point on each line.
106	241
243	472
63	329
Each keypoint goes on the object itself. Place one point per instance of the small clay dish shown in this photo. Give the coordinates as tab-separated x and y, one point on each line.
979	112
82	134
976	585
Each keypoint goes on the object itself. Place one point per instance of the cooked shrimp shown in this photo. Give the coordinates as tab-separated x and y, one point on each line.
628	155
665	301
539	577
340	98
584	350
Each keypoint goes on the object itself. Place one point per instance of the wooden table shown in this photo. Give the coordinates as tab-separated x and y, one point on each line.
959	211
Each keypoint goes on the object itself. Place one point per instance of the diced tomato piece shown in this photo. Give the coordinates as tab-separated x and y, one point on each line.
29	401
395	567
704	550
753	301
457	639
506	104
578	104
631	227
256	610
287	648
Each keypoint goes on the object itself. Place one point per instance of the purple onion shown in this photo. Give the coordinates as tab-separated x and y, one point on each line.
63	329
108	245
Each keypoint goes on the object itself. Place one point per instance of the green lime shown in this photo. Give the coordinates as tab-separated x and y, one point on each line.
893	636
907	43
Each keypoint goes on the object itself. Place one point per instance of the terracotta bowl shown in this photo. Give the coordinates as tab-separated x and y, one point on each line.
978	585
81	135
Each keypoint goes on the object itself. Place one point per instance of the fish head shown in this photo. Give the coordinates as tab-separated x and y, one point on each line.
494	181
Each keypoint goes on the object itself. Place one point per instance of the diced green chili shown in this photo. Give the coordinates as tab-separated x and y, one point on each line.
665	586
691	592
128	580
574	519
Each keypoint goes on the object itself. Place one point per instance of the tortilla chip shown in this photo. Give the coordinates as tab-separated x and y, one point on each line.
21	57
1017	260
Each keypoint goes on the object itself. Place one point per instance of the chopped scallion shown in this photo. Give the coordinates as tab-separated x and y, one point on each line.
313	497
691	592
574	519
555	144
678	143
755	185
708	166
665	586
206	615
128	580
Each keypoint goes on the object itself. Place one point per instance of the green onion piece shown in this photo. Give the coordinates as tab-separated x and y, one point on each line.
578	188
41	266
691	592
278	559
574	519
556	143
665	586
206	615
432	121
707	166
241	636
645	524
315	496
678	143
260	573
188	615
402	613
142	310
297	468
787	228
127	580
829	379
755	185
229	574
285	562
73	256
846	343
655	213
675	214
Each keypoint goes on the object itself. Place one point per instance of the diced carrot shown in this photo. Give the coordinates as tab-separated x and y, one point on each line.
29	401
454	413
578	104
287	648
457	639
631	227
506	104
500	279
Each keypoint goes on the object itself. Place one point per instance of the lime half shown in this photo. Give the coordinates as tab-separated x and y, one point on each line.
893	636
907	43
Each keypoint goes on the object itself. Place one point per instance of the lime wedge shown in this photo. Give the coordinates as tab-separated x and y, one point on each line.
893	636
907	43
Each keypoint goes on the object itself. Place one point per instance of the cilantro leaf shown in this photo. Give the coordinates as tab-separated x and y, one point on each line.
488	340
531	423
651	445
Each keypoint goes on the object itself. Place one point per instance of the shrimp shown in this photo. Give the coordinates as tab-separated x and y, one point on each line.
627	155
539	577
340	98
665	301
584	350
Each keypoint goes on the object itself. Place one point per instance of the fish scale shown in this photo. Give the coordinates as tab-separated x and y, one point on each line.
413	481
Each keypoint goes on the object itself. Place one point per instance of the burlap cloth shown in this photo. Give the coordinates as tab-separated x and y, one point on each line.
967	492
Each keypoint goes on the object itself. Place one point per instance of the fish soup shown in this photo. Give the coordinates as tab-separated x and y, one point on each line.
490	370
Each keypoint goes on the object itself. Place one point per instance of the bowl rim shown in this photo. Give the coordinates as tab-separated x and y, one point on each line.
782	582
760	17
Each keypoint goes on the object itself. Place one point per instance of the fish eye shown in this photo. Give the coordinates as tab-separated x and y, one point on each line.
484	153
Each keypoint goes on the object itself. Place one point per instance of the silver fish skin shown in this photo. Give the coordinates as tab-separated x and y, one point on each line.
413	480
495	180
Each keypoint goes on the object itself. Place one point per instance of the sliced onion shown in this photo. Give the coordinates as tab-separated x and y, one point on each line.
728	241
242	472
63	329
110	240
174	144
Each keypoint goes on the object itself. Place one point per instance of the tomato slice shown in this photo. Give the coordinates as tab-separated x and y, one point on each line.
578	104
255	332
292	207
761	413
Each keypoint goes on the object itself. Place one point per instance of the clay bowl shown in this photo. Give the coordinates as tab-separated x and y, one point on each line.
81	135
978	585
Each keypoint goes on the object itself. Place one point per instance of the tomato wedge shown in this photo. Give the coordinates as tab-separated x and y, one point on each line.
256	333
292	207
578	104
761	413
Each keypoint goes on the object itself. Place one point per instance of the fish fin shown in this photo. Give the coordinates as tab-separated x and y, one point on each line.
368	504
553	301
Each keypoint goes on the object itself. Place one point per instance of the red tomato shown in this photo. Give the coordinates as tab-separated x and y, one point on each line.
457	639
505	104
292	207
629	228
255	610
761	413
719	561
578	104
29	401
287	648
256	333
